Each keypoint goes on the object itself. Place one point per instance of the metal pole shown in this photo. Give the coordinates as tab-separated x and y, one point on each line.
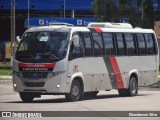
14	21
72	14
142	10
14	25
12	30
64	8
28	14
11	24
11	59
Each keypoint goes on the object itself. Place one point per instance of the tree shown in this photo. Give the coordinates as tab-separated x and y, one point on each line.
149	14
126	10
158	7
158	11
104	10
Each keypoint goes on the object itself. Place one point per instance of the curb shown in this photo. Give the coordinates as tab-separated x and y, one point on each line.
5	81
6	77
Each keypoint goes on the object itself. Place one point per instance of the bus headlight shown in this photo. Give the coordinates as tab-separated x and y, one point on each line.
58	86
15	85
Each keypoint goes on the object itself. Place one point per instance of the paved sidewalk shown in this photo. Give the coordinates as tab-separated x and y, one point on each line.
6	87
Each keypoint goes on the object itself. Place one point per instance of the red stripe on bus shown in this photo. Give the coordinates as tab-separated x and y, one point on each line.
37	65
117	72
98	29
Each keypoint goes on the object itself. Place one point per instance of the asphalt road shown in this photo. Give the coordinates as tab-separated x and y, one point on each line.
147	100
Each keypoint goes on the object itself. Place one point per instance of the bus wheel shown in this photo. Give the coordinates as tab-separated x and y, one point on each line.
132	90
91	94
133	86
26	97
75	92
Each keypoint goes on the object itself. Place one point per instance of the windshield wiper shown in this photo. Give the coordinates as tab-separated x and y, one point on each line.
49	54
30	56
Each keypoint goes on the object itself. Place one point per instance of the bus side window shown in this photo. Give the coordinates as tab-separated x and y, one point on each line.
141	44
76	48
130	45
108	43
88	44
98	44
120	44
150	43
155	44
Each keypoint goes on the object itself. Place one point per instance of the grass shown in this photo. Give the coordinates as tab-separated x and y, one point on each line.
5	68
156	85
5	71
4	64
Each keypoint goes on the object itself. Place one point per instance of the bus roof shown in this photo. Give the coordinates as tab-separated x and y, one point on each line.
110	25
87	29
133	30
50	28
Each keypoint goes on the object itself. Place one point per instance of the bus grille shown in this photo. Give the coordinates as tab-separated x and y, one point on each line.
35	74
34	84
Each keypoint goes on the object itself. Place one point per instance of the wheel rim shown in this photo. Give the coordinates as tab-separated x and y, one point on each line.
75	91
133	86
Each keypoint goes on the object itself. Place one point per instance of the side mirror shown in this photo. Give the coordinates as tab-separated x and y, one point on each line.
18	39
75	40
75	50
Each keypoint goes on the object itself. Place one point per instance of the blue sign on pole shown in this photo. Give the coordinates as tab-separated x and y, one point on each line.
124	20
47	21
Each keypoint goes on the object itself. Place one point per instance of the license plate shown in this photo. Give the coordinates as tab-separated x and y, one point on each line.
33	79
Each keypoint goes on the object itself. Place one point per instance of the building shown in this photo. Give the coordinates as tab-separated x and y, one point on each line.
157	28
42	9
38	9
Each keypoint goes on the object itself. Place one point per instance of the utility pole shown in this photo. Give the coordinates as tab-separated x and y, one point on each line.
142	11
12	30
28	14
64	8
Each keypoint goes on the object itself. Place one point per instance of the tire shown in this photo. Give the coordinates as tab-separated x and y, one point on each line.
26	97
75	92
91	94
132	89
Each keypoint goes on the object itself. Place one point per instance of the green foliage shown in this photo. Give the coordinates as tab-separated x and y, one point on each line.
4	64
149	14
106	10
125	10
5	71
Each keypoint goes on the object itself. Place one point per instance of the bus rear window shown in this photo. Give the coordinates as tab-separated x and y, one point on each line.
141	44
108	43
150	43
120	44
130	45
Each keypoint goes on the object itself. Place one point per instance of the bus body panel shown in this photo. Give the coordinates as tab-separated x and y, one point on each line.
147	71
54	78
94	72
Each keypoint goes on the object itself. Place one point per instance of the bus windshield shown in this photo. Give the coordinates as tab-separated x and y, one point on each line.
42	46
